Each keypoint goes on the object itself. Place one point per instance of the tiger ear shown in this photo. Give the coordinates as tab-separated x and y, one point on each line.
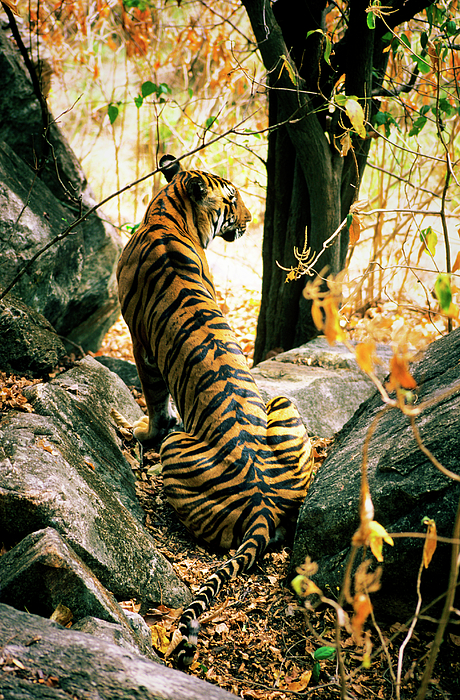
169	166
196	189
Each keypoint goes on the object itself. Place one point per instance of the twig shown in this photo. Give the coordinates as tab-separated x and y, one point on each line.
409	633
427	453
446	610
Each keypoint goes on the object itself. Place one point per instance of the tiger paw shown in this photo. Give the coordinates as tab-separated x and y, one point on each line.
141	429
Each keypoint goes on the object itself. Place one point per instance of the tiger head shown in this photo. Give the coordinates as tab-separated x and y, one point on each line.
218	209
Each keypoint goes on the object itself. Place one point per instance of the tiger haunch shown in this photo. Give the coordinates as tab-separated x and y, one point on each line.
235	468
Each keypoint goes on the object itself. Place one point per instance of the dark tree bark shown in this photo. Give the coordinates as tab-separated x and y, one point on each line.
310	184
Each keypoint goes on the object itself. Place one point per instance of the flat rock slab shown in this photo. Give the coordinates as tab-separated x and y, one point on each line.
323	381
43	572
63	467
73	664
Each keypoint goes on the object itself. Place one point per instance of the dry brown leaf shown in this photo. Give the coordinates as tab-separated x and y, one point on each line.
430	542
299	685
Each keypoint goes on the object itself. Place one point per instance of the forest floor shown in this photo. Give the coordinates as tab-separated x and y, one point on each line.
255	641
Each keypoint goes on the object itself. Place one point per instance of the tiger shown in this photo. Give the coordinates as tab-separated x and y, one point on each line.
234	469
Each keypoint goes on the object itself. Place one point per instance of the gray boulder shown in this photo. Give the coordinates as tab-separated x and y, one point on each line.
323	381
73	283
41	659
63	467
29	344
405	486
42	572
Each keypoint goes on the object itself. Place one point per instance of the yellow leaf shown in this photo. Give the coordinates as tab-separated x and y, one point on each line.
332	329
376	536
365	356
355	114
304	586
289	69
160	639
452	311
430	542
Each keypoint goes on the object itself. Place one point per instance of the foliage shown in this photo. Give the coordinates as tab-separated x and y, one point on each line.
135	79
156	78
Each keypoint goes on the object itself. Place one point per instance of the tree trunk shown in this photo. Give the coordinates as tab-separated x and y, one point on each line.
310	184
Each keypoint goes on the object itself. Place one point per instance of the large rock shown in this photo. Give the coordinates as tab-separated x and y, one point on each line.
63	467
405	486
41	659
73	283
29	344
42	573
323	381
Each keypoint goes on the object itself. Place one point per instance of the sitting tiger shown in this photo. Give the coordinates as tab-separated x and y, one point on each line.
234	469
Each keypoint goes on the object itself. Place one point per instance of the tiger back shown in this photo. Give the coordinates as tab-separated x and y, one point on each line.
234	469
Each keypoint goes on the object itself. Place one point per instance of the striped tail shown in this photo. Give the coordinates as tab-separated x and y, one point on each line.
253	545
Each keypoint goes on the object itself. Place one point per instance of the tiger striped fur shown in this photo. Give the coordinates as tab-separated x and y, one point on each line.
235	469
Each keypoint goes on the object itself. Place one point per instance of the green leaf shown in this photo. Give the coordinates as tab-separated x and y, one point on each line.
370	20
405	40
323	653
210	121
316	672
417	126
164	89
446	107
443	291
424	40
138	101
423	66
450	27
148	88
112	111
328	49
296	584
387	120
430	239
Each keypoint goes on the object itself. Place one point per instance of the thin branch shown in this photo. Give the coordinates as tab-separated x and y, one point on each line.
453	576
85	215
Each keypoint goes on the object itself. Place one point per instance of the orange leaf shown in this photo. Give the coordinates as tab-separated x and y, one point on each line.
456	263
365	356
400	375
332	329
430	542
317	315
355	229
363	608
